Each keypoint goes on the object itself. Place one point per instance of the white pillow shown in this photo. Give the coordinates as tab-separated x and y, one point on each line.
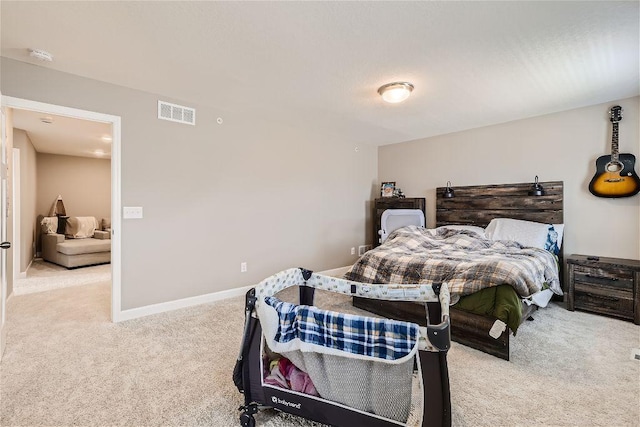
527	233
49	224
473	228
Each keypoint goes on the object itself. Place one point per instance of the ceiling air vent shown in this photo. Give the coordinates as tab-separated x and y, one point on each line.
176	113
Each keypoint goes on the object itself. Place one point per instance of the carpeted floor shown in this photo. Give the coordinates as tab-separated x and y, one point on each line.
65	364
45	276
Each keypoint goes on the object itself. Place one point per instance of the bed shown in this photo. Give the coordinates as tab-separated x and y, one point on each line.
476	206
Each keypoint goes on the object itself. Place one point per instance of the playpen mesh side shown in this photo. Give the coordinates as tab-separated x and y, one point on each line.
380	388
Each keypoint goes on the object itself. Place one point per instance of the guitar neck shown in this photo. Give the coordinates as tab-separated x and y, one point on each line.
614	143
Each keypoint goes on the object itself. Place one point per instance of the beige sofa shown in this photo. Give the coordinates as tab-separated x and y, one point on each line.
73	249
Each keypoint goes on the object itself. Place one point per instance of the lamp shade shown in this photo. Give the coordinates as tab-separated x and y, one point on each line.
536	189
395	92
448	192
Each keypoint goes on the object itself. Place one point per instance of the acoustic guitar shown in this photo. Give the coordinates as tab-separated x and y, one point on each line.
615	175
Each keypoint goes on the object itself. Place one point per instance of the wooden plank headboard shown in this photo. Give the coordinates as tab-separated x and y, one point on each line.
479	204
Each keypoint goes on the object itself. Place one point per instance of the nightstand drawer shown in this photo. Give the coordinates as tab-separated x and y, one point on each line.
604	300
609	286
615	278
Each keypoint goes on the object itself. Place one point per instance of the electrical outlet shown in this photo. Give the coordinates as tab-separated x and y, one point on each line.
243	267
353	251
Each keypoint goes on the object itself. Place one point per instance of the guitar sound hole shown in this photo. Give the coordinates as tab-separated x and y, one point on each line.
614	167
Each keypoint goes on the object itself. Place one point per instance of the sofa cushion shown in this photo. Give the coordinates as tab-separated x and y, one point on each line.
83	246
106	224
99	234
80	227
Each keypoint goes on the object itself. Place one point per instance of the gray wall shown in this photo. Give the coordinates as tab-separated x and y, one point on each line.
269	194
28	186
84	184
562	146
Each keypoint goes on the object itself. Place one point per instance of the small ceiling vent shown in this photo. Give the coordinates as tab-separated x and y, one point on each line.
176	113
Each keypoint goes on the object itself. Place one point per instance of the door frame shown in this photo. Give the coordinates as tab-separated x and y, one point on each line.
3	229
116	202
16	244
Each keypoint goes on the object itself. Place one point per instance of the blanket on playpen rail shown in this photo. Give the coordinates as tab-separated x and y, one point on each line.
357	335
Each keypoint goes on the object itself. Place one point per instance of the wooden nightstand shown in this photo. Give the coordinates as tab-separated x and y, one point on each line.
602	285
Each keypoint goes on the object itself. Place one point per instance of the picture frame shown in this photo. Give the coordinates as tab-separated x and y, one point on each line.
387	189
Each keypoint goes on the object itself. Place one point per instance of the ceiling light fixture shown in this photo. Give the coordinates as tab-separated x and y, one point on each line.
395	92
40	54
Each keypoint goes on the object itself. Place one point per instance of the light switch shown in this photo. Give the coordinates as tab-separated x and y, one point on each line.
131	212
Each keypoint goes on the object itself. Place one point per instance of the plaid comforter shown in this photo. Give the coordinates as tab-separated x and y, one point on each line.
365	336
462	259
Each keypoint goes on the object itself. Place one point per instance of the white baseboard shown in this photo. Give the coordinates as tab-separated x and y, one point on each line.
3	340
148	310
336	272
23	274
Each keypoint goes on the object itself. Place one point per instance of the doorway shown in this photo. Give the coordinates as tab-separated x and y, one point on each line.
114	123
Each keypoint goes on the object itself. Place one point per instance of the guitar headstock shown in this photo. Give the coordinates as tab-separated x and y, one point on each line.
616	113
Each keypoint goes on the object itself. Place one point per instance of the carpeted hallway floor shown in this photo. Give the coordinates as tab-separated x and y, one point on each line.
45	276
66	364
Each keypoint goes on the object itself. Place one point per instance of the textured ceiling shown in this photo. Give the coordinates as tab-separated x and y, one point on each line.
64	135
318	64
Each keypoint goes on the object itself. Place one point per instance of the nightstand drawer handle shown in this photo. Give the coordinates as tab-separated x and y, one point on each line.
613	279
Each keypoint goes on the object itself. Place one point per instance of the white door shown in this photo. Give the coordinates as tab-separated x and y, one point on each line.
4	245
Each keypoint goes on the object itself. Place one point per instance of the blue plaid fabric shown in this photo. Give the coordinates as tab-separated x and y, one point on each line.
367	336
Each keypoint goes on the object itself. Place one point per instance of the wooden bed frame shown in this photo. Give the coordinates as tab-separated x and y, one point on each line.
478	205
